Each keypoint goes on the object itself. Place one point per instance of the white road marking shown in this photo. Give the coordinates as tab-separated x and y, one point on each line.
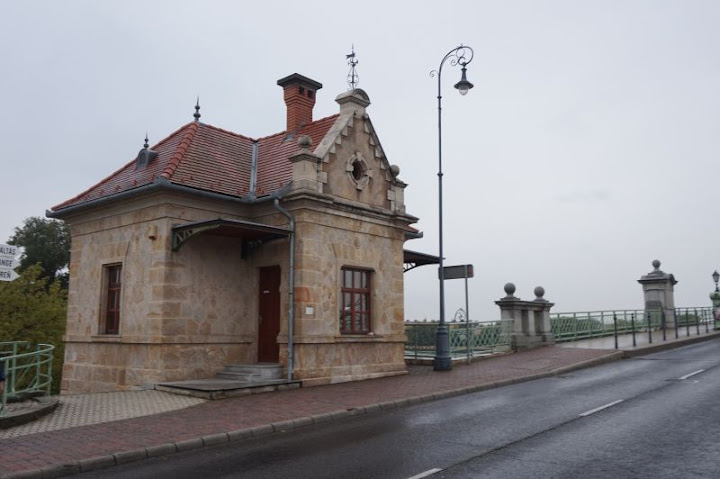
692	374
593	411
427	473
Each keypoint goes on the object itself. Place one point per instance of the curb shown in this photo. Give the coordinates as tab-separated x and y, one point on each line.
43	408
655	348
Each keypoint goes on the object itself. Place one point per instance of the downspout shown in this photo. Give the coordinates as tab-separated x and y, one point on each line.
291	289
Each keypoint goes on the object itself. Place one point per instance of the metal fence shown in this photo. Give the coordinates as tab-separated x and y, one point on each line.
653	323
28	370
467	340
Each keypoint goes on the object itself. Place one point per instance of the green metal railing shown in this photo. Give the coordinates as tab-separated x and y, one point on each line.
466	340
595	324
28	370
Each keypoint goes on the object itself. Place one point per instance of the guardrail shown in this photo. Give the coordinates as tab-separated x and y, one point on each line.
594	324
467	340
28	370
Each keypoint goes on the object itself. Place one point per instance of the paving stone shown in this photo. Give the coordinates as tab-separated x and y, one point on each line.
303	421
262	430
189	444
85	409
130	456
214	439
283	426
94	463
161	450
29	474
239	434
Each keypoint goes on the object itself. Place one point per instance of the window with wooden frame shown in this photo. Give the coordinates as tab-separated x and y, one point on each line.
111	300
355	296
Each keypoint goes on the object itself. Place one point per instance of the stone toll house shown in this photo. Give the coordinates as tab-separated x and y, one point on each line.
212	248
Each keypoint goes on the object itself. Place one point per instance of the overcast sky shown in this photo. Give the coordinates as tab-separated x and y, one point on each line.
588	147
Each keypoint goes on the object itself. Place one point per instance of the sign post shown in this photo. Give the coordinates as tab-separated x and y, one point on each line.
8	262
457	272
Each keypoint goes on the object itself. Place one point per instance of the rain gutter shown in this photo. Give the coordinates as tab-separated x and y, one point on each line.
163	184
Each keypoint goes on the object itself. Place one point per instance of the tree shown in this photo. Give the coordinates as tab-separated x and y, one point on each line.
46	241
33	308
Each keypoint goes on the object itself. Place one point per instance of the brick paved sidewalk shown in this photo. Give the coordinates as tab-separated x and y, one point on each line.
76	449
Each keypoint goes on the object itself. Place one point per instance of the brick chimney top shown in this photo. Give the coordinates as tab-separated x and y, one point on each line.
299	94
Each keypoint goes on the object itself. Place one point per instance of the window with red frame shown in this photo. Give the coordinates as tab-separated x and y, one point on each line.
112	299
355	301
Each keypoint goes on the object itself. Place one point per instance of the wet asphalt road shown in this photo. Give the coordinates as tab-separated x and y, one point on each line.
654	416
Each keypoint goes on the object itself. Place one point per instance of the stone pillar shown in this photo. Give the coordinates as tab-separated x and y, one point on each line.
305	167
658	291
531	319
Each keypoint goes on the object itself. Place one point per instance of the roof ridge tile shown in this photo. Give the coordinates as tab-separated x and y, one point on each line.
223	130
179	153
285	132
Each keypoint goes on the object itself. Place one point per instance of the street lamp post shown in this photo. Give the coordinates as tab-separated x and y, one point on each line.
462	56
715	298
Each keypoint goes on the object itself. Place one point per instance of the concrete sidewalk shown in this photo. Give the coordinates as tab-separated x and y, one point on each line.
94	431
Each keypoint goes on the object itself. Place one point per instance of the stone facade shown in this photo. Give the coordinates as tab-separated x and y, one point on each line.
188	310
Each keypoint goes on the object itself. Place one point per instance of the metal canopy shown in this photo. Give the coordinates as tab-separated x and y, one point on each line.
413	259
252	234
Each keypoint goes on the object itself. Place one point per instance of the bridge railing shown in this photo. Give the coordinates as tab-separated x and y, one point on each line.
28	370
594	324
467	340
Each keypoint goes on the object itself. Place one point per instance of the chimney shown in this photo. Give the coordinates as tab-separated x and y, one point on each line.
299	94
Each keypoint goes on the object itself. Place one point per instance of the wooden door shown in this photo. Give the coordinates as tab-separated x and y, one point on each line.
269	311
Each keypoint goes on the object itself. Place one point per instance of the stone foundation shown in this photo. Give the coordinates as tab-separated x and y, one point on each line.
93	367
319	364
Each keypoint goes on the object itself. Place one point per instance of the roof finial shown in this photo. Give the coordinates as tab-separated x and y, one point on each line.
197	110
145	156
353	79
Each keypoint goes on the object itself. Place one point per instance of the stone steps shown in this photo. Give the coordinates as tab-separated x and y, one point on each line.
252	373
234	380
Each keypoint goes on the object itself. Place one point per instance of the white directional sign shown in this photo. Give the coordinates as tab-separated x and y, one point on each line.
8	262
9	250
8	275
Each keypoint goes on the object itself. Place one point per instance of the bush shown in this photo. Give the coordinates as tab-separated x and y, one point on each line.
34	308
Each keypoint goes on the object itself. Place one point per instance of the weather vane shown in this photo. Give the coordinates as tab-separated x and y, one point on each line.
353	79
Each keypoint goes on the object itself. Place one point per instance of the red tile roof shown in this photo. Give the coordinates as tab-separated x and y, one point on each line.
208	158
273	153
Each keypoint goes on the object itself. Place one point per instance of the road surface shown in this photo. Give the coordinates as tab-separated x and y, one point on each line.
656	416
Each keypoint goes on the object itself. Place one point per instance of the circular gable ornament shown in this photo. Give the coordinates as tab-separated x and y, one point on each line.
358	170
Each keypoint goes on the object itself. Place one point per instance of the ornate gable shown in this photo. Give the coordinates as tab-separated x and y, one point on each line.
352	163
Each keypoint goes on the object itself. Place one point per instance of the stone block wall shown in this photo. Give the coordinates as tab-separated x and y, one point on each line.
184	314
329	243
